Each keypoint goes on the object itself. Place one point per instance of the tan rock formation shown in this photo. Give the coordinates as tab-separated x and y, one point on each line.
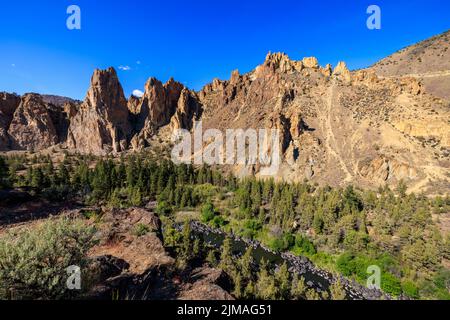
156	109
341	71
101	125
206	286
142	252
187	111
382	170
32	127
134	104
311	62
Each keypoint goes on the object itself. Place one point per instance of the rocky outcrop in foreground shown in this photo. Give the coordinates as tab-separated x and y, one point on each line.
135	265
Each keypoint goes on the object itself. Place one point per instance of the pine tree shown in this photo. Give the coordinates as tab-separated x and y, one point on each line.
265	286
131	173
249	291
282	279
136	197
63	175
29	176
312	294
226	257
246	263
211	258
186	249
298	287
337	290
37	179
185	198
197	248
114	200
237	292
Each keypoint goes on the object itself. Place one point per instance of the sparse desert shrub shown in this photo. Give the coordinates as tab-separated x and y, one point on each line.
208	212
33	261
141	229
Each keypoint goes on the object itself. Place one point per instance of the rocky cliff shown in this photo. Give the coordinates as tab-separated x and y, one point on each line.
101	125
32	126
336	126
8	105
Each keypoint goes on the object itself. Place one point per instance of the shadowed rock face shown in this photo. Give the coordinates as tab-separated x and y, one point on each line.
188	110
32	126
8	105
101	125
161	105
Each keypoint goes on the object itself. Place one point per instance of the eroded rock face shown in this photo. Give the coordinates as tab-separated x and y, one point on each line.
383	169
163	104
311	62
32	126
342	72
141	251
188	109
207	284
101	125
159	102
8	105
134	104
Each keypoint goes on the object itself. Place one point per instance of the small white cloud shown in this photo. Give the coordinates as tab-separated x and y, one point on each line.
13	65
138	62
124	68
138	93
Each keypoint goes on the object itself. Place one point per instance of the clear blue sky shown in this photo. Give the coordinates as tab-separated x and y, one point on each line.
195	41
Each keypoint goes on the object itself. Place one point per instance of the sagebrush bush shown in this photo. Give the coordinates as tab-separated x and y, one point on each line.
33	261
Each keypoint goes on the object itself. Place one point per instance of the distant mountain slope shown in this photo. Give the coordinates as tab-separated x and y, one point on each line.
58	100
428	60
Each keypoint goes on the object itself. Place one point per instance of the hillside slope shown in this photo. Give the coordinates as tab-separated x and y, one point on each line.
428	60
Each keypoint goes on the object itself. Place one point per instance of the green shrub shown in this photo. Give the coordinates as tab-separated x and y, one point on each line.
253	224
163	208
410	289
250	228
208	212
284	243
218	222
304	245
390	284
354	265
33	262
345	264
141	229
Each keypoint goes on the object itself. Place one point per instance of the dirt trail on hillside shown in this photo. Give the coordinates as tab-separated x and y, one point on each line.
436	74
330	139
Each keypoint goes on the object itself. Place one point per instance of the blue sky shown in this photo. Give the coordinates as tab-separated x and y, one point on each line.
195	41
